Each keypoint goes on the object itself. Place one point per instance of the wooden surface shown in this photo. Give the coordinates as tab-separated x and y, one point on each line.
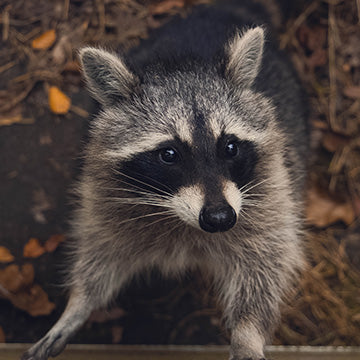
118	352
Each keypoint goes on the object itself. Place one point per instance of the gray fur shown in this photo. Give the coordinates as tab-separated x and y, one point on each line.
254	264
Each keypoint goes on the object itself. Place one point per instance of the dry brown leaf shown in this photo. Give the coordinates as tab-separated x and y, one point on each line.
322	210
52	243
44	41
18	286
13	279
33	248
166	6
352	92
333	142
59	103
34	300
5	255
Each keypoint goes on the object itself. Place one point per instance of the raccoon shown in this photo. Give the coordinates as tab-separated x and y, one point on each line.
196	160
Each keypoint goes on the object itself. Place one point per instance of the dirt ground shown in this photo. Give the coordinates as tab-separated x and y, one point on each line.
44	114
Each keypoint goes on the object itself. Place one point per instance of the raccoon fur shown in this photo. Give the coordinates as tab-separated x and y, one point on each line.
195	161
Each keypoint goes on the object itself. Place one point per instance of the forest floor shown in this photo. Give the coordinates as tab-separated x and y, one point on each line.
43	121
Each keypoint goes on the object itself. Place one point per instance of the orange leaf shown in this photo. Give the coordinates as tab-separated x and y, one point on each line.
11	278
52	243
5	255
45	40
33	248
59	103
322	210
35	301
18	287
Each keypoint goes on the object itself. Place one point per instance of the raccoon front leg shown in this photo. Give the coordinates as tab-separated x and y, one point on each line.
93	288
76	313
251	303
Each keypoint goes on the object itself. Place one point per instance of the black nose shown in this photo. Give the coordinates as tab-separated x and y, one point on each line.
214	219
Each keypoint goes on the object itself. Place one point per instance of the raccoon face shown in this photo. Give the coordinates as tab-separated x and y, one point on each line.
189	141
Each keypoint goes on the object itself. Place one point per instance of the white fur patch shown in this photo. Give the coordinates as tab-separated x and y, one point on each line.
245	54
187	204
247	335
232	195
148	143
183	130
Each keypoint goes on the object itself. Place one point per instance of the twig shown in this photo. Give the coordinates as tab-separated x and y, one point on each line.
7	66
6	23
332	67
296	24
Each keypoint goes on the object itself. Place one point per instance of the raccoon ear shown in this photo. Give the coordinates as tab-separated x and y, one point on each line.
107	76
244	56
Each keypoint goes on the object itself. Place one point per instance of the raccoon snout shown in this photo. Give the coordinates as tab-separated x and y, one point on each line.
216	219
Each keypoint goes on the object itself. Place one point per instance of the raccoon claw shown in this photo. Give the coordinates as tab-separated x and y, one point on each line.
45	348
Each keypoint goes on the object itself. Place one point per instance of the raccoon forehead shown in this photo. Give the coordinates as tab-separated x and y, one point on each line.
146	143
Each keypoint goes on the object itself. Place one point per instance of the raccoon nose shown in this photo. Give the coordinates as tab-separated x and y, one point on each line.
215	219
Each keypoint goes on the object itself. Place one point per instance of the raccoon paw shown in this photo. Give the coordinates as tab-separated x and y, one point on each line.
48	346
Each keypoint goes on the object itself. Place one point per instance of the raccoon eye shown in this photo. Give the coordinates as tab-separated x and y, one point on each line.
168	156
231	149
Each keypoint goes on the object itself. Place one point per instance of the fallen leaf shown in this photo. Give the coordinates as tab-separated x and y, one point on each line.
2	335
5	255
322	210
33	248
45	40
13	279
333	142
59	103
52	243
17	285
352	92
35	301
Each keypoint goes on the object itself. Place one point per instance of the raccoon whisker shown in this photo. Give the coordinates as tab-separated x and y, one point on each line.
139	192
254	197
142	182
144	216
248	218
154	180
142	189
134	201
178	224
252	202
173	216
245	190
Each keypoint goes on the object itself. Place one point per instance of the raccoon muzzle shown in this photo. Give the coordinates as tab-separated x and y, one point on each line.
217	219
